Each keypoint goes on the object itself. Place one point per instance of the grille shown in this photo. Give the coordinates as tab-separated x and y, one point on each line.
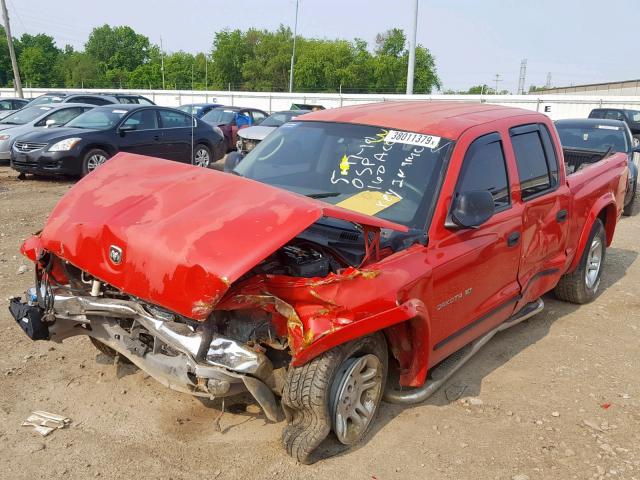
28	146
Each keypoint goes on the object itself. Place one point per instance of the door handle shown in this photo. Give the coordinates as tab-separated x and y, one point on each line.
561	216
156	137
513	239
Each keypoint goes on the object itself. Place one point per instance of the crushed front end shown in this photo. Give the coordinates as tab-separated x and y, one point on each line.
186	355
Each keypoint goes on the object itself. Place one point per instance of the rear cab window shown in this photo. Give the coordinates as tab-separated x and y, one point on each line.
536	159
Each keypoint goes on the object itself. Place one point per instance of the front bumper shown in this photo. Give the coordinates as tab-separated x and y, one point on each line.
41	161
194	361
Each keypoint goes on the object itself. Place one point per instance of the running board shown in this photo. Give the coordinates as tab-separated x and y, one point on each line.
450	365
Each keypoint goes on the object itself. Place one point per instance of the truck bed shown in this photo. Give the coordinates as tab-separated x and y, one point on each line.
576	159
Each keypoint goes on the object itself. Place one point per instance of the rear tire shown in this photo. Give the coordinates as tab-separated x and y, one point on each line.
629	208
93	159
201	156
581	285
311	395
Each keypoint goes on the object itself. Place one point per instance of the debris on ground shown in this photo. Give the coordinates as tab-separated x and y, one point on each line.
44	422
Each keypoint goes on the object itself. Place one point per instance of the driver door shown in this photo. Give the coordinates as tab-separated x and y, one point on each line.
475	274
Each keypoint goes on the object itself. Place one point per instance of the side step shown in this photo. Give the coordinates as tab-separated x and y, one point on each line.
450	365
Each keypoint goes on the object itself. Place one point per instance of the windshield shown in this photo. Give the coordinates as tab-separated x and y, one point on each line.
219	115
99	119
634	115
595	137
279	118
25	115
45	99
381	172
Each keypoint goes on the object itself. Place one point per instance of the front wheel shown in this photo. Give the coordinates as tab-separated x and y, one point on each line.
338	391
201	156
93	159
581	285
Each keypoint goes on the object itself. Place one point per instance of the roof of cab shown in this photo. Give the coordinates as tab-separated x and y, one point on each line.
442	118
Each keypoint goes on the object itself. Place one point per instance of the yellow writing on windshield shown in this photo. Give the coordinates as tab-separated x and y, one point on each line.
344	165
369	202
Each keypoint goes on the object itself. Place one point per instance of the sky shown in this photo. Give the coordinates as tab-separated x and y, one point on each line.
577	41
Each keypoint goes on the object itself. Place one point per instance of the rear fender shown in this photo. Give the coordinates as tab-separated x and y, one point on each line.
605	208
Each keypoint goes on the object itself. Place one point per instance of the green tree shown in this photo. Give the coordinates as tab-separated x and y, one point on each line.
230	51
37	56
120	49
267	66
6	73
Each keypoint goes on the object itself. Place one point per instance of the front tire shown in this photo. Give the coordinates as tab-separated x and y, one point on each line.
93	159
581	285
340	390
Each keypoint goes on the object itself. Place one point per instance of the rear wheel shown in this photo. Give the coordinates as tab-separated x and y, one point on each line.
340	390
581	285
93	159
629	207
201	156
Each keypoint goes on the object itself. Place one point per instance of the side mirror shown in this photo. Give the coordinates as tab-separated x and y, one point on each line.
126	128
471	209
49	123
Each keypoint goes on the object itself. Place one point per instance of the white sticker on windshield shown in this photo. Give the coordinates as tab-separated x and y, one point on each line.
118	111
410	138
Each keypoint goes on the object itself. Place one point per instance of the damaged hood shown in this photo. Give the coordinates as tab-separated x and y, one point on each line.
178	235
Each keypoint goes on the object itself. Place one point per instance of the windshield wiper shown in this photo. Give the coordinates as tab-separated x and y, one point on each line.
323	195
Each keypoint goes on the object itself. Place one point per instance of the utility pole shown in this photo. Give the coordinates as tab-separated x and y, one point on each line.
523	76
412	50
293	54
497	79
206	72
161	62
17	84
548	82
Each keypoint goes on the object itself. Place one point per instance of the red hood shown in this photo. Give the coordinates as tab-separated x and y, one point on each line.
186	233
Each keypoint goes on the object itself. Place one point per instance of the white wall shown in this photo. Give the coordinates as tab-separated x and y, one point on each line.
556	106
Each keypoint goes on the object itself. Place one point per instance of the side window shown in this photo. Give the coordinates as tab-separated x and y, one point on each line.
550	152
5	105
532	160
484	168
170	119
597	113
142	120
60	117
91	100
258	117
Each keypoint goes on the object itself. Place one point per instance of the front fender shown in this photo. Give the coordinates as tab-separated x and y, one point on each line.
410	347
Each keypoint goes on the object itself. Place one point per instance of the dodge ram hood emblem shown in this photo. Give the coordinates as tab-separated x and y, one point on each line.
115	254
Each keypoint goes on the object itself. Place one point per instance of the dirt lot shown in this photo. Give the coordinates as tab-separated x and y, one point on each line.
555	397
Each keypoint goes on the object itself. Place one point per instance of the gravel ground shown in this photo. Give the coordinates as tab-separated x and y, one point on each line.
556	397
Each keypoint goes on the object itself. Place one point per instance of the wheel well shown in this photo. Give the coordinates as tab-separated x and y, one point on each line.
608	218
107	148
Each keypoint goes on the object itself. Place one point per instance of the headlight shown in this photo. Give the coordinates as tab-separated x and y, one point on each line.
64	145
5	137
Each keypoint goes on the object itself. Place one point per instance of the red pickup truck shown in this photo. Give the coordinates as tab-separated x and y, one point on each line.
351	246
